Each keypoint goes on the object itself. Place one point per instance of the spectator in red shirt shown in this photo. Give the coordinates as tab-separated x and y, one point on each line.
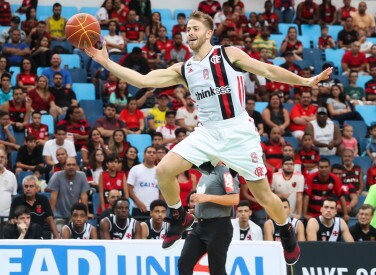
37	34
325	40
37	129
209	7
308	154
370	86
354	59
119	12
371	60
178	51
26	4
27	78
344	12
134	119
371	175
163	41
132	31
292	44
290	65
327	13
307	12
31	21
109	86
152	53
182	24
270	16
301	114
76	127
320	186
285	10
273	149
5	13
230	28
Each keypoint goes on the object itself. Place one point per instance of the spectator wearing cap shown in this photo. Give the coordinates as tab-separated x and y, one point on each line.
168	130
15	50
6	34
5	13
157	115
326	134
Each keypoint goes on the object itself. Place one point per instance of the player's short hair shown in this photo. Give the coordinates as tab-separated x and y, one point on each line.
306	135
285	200
110	105
148	148
79	206
244	203
118	200
56	5
203	18
156	203
20	210
330	199
162	148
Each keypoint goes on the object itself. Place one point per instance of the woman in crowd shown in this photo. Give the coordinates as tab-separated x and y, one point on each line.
152	53
31	20
95	168
118	144
291	43
94	142
27	78
275	115
134	118
104	13
3	65
187	183
42	53
119	97
154	25
338	107
42	100
130	159
114	42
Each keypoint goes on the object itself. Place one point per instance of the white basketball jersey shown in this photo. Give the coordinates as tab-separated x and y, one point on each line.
216	86
324	135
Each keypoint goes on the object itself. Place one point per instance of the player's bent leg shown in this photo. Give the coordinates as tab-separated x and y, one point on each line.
170	166
167	170
273	206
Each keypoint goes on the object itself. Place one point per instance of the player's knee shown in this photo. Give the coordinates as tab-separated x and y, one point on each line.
163	171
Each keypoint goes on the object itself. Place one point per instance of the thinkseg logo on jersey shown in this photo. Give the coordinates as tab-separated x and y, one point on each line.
213	91
215	59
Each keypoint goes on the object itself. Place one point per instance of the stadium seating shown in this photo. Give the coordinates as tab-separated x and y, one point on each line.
335	56
40	70
139	141
20	137
364	162
312	55
96	203
45	11
72	61
131	46
288	106
278	61
14	71
68	11
362	79
278	38
359	126
333	31
187	13
64	44
165	14
306	41
260	106
294	142
13	159
140	156
342	78
284	27
92	107
49	121
368	112
333	159
313	32
89	10
78	75
362	145
84	91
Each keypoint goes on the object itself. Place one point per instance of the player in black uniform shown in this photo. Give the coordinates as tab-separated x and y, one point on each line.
120	226
155	227
79	228
216	195
328	227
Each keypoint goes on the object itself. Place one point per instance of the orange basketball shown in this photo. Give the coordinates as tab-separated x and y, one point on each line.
83	30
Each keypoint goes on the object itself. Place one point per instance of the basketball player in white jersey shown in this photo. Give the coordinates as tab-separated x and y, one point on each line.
214	76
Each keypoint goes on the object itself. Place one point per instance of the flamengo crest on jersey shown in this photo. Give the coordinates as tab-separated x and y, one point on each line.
216	86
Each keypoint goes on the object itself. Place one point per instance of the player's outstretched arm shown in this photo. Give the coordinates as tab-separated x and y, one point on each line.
155	79
275	73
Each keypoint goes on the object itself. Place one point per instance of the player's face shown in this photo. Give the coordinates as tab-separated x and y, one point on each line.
286	209
197	34
110	112
79	218
275	135
365	216
288	151
180	137
16	36
60	136
57	11
244	213
329	209
160	154
71	166
122	210
324	169
158	214
95	136
5	83
99	156
170	119
5	120
42	83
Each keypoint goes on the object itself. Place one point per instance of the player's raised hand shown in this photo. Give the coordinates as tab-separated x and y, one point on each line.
100	56
324	75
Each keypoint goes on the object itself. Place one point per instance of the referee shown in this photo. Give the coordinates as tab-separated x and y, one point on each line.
216	195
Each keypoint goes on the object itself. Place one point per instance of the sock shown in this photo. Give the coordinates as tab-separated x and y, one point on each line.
284	229
176	206
282	224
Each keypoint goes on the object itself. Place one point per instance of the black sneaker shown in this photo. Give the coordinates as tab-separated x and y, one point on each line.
290	246
177	226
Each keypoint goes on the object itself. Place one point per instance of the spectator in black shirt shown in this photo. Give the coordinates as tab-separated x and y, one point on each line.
250	102
29	155
38	206
23	228
363	230
64	97
135	61
348	35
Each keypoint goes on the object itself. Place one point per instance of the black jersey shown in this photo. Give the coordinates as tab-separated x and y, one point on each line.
154	234
329	234
84	235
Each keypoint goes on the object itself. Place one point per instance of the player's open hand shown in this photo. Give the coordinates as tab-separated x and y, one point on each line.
324	75
100	56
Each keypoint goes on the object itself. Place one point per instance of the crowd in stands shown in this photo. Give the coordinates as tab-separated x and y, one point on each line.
88	174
